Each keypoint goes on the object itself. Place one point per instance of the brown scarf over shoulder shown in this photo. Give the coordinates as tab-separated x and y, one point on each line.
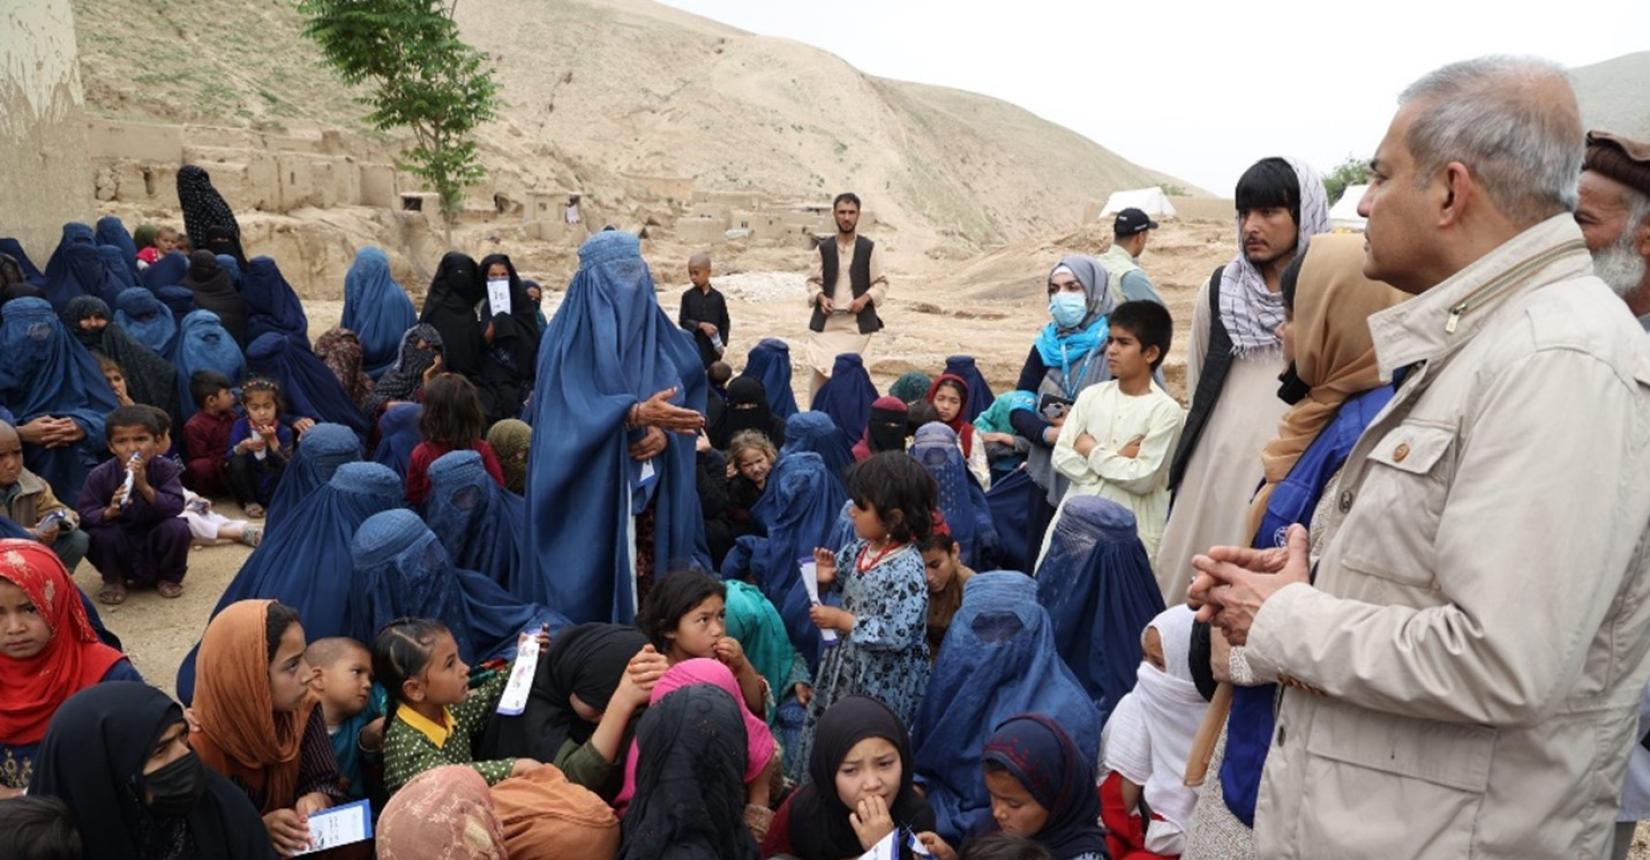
241	736
1334	351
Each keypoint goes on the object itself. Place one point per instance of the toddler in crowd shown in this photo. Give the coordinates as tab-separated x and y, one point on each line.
259	446
750	458
355	722
453	420
153	243
27	500
129	507
206	433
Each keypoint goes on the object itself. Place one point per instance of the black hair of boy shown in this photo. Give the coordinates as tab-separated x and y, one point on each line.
891	482
673	597
206	383
401	651
452	412
135	416
720	373
1004	846
277	618
164	420
36	827
920	413
938	542
1150	324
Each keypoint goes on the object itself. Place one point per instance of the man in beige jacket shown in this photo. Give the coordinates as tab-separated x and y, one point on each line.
1462	674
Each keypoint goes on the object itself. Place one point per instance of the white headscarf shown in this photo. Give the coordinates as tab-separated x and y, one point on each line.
1149	734
1251	312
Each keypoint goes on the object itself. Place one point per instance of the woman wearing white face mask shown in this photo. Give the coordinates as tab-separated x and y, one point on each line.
1067	357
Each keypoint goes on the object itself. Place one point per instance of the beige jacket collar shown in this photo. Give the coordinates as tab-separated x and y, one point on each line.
1446	317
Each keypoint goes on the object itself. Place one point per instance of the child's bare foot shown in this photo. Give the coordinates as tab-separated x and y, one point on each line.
169	590
255	511
112	594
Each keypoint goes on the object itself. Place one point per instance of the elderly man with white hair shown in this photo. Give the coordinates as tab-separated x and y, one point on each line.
1463	661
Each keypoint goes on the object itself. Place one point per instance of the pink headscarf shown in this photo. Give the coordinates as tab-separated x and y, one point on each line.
759	745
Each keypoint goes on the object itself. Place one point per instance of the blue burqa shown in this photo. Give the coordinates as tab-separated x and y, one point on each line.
979	391
307	385
398	435
609	347
147	320
321	452
233	267
1009	499
770	363
179	300
799	512
479	522
76	270
815	432
1098	588
376	309
998	660
402	570
44	371
271	305
204	344
14	249
960	497
847	395
74	233
304	561
111	232
168	271
116	276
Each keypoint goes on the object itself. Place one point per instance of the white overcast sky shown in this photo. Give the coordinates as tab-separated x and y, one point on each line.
1200	89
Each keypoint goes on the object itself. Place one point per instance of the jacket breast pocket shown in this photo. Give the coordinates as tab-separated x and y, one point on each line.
1389	786
1399	502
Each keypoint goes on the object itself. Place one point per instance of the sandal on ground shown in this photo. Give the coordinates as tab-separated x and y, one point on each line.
252	536
255	511
112	594
169	590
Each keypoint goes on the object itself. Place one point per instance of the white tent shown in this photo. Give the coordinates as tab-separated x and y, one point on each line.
1343	216
1151	200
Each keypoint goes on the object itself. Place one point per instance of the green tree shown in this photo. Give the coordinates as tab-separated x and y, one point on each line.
1352	171
424	78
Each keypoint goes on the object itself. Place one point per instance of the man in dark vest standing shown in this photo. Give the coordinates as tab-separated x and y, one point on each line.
1233	362
845	288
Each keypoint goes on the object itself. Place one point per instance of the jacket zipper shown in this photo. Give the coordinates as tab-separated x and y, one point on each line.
1507	278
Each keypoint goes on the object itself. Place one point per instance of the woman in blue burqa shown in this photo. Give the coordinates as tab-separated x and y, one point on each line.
321	450
479	522
612	499
769	362
145	318
57	392
204	344
271	303
998	660
376	309
960	497
304	562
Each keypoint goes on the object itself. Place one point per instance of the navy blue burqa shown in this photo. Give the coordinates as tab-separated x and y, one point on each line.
398	435
319	454
1009	499
147	320
960	497
402	571
998	660
479	522
75	269
204	344
847	395
307	385
112	233
376	309
116	277
74	233
980	397
815	432
168	271
44	371
304	561
271	305
799	512
769	362
609	347
1097	585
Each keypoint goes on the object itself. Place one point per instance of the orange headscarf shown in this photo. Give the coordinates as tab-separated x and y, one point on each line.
241	735
74	659
1334	351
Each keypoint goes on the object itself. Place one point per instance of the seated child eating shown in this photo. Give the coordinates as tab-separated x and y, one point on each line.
129	506
343	683
259	447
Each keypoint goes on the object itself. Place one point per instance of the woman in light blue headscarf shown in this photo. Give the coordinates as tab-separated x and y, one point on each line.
146	319
57	392
376	309
479	522
612	494
204	344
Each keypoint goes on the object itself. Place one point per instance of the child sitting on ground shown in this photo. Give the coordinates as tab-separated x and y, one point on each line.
685	617
343	683
453	420
28	501
433	717
1119	437
206	433
750	460
259	447
942	559
129	507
